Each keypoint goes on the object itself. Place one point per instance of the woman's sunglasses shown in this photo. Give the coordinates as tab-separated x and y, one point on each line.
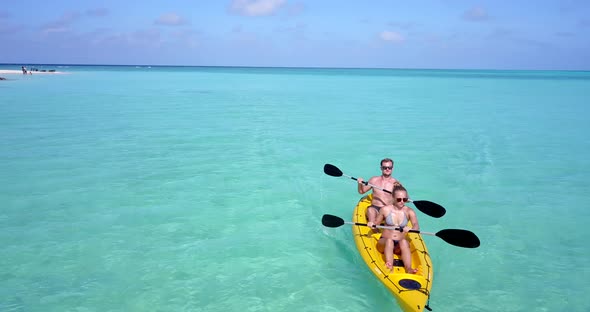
405	199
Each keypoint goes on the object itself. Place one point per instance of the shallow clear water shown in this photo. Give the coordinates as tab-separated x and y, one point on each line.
201	189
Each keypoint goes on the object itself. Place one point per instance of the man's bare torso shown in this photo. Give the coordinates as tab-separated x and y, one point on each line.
381	198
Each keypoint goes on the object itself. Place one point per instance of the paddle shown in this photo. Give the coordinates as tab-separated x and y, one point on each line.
427	207
456	237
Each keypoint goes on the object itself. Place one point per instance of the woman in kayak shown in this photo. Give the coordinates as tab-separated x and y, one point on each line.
397	215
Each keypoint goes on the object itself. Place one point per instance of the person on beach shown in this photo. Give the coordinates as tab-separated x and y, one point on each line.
24	69
397	215
384	181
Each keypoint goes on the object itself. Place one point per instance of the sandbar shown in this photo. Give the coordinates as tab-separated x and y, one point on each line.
18	71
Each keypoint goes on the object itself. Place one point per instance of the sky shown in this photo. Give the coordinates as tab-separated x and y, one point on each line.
445	34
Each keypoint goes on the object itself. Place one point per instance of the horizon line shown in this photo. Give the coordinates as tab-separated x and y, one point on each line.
285	67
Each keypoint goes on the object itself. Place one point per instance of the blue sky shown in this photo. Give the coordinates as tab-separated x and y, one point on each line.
497	34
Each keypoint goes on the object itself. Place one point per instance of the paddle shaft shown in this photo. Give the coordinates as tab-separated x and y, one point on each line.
373	186
457	237
367	183
429	208
390	228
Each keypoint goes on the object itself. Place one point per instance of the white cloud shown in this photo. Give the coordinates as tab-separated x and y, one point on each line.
9	29
298	31
98	12
139	38
64	23
477	14
50	30
243	35
296	9
501	33
565	34
170	19
391	36
188	37
256	7
403	25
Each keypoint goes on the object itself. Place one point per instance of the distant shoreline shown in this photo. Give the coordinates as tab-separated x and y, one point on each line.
296	67
16	71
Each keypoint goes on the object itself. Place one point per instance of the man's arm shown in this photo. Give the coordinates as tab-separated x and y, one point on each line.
362	188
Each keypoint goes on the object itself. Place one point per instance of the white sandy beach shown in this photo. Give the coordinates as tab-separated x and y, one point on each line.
18	71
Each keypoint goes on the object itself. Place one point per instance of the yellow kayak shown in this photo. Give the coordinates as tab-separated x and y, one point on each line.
411	291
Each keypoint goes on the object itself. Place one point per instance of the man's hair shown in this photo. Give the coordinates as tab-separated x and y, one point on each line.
386	160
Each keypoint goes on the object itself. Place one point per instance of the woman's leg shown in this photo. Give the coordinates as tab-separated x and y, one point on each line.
407	256
381	244
389	253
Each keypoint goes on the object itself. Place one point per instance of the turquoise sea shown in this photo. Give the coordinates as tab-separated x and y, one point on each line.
201	188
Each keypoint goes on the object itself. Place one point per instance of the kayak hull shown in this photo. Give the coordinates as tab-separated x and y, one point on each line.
411	291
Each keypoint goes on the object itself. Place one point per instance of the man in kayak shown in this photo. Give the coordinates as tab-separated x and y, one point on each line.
397	215
384	181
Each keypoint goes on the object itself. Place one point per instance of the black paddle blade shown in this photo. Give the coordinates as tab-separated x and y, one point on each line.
460	238
332	170
332	221
429	208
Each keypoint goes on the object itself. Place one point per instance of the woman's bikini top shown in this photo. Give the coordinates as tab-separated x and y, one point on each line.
389	220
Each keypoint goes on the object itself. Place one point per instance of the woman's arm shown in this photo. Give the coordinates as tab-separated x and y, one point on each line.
379	217
414	219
